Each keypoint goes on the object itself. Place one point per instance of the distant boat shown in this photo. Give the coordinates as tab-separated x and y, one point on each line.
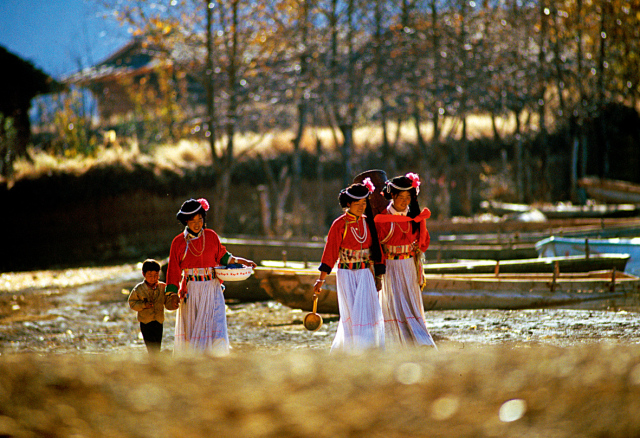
520	245
564	264
601	229
563	246
601	289
294	288
565	211
452	239
610	190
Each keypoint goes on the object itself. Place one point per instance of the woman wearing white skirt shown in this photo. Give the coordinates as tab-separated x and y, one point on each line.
201	321
352	242
404	236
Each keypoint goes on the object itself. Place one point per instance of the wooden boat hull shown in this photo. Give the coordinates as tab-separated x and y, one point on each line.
565	211
559	246
452	240
528	291
294	288
565	264
612	191
576	263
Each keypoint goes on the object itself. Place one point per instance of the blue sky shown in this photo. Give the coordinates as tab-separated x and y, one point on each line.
58	36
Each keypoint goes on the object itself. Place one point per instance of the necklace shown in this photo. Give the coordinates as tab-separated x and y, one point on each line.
400	227
192	250
359	238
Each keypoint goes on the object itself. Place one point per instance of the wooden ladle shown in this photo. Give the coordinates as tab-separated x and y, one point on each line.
312	321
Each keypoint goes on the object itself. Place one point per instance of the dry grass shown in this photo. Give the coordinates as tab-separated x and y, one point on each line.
490	392
189	154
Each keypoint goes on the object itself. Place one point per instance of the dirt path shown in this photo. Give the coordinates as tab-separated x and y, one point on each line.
72	364
85	310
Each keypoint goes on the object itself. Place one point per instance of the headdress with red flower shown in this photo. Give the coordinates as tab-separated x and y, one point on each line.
369	185
415	179
190	207
204	203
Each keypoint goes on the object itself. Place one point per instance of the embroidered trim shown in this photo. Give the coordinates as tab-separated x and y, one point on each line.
354	258
354	265
399	252
199	274
199	277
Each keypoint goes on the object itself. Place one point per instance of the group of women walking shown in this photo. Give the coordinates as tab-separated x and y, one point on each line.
379	271
378	277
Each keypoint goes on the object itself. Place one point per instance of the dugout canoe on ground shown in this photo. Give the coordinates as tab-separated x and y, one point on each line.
595	290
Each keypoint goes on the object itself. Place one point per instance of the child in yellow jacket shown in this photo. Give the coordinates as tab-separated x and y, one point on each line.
149	299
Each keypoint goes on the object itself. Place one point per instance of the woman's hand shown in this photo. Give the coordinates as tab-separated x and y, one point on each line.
174	302
317	287
378	279
245	262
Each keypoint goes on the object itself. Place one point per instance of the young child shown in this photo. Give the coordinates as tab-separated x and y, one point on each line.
149	299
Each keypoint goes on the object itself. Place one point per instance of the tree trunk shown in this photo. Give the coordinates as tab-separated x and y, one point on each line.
210	86
302	109
347	147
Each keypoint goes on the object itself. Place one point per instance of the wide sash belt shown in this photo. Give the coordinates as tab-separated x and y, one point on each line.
353	258
399	252
199	274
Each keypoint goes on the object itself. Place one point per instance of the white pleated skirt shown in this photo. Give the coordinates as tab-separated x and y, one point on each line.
361	324
402	306
201	320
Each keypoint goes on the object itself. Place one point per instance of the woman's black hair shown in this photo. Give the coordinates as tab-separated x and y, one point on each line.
360	191
414	207
189	210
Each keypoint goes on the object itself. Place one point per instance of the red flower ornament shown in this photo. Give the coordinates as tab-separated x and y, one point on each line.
204	203
369	185
415	179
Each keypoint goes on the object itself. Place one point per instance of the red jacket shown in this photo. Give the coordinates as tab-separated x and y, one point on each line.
401	233
342	234
181	257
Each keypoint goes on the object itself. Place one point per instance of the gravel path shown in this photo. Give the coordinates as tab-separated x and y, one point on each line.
85	310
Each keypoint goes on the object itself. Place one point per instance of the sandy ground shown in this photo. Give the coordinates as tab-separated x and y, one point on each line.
72	363
85	310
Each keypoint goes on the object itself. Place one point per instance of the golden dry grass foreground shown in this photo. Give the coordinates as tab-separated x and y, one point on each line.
588	391
72	365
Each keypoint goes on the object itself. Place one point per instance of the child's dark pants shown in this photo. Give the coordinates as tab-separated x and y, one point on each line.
152	335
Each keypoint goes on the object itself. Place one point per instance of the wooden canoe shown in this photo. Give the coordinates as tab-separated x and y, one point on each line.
451	240
559	246
611	191
294	288
574	263
599	289
564	211
606	229
564	264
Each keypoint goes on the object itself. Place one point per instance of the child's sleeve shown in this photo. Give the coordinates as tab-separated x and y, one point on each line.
136	302
169	302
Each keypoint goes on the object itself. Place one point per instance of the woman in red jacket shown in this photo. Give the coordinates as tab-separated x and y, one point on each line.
201	321
404	237
353	243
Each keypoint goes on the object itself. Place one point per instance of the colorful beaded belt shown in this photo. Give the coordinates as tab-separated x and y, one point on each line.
353	265
399	252
199	274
